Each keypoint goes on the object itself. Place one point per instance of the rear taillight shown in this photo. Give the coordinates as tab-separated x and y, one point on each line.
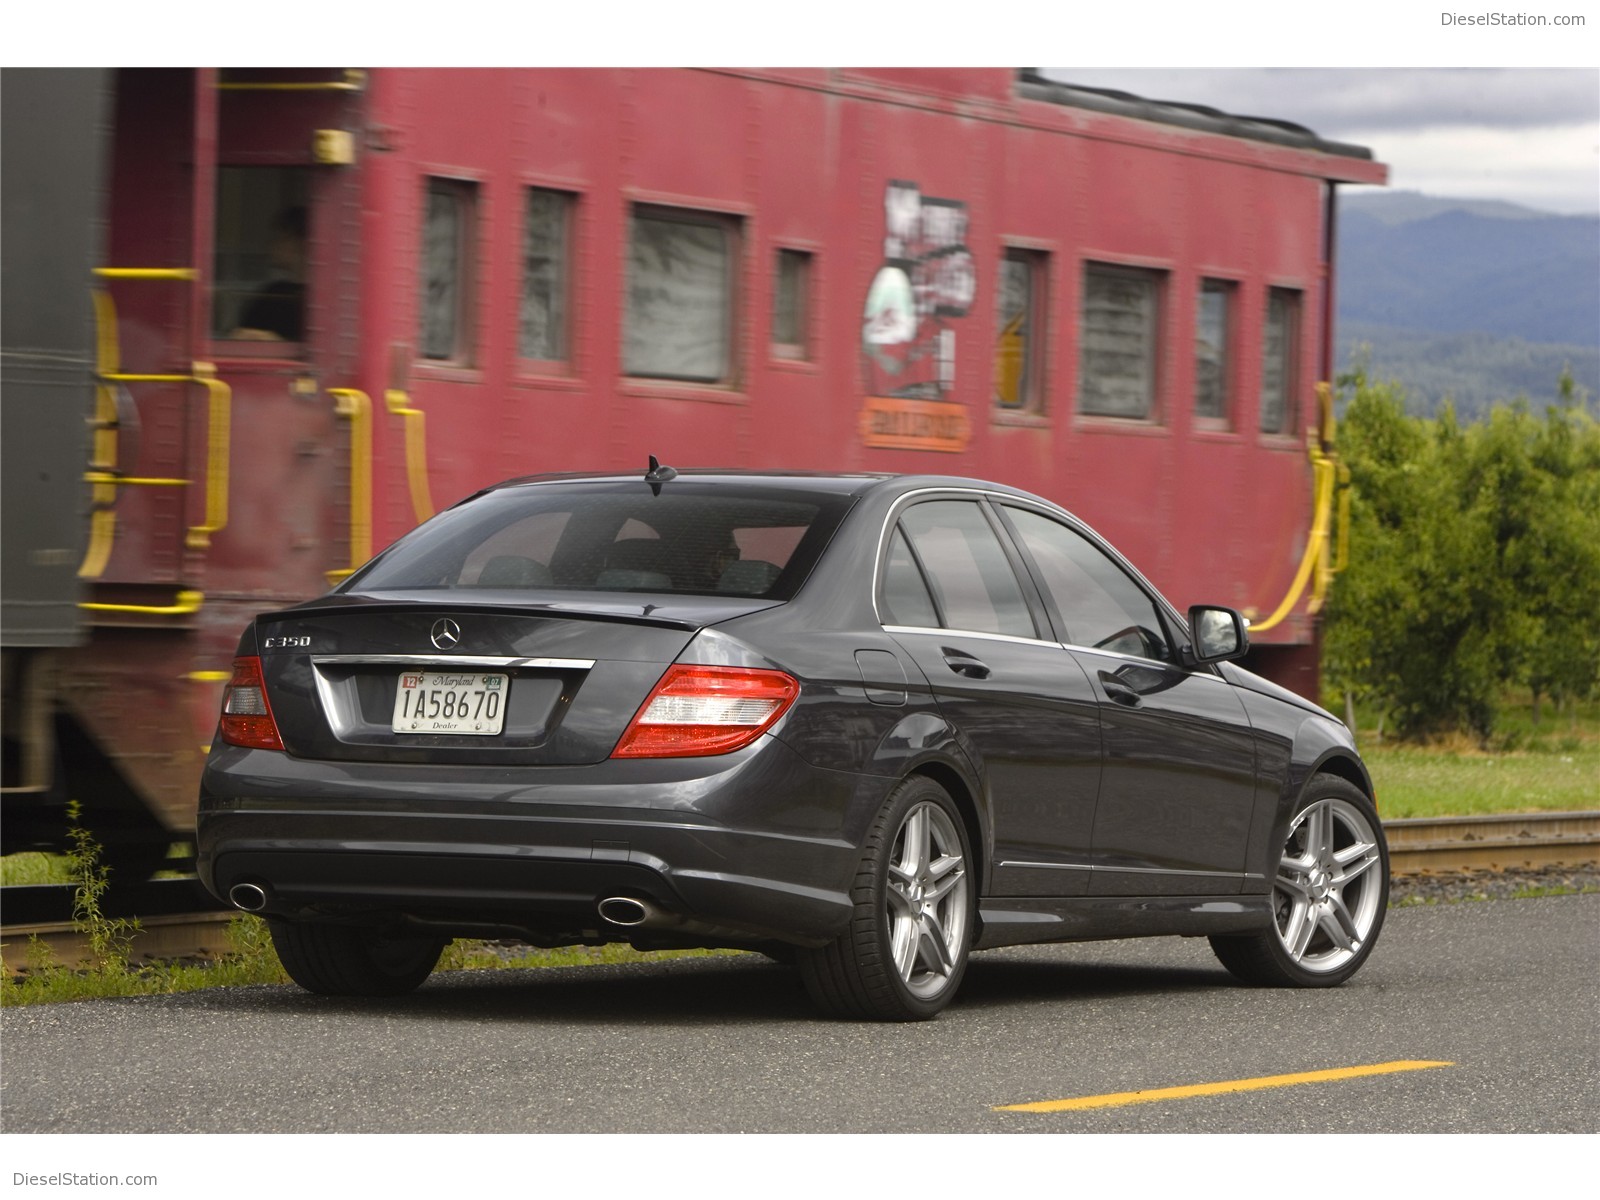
706	710
246	715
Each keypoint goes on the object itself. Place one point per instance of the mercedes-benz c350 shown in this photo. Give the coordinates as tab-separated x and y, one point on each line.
866	724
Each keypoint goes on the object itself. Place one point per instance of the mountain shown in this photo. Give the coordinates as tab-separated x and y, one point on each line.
1478	300
1397	208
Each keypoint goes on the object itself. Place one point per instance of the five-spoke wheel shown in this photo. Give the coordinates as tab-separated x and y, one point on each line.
1328	898
906	949
1326	904
926	899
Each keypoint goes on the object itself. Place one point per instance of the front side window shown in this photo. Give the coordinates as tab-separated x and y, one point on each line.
1100	605
446	270
542	332
679	320
1018	375
971	578
1213	320
1279	349
1117	347
259	266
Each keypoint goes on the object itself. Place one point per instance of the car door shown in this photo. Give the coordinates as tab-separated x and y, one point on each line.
1177	787
955	597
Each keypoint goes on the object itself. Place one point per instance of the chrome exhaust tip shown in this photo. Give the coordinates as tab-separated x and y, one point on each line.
625	910
251	897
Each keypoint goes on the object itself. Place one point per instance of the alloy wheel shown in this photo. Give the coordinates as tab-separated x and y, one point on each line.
1327	893
925	900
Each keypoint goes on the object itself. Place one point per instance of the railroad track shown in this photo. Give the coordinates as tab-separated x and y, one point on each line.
1499	842
179	919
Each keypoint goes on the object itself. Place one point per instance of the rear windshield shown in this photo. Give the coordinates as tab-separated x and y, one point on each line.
693	538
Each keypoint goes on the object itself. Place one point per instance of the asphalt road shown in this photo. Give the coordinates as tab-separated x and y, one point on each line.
1506	991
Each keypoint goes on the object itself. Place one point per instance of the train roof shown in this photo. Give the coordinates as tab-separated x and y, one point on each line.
1033	86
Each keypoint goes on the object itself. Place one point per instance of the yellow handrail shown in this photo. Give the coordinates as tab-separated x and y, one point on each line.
102	471
188	602
354	81
416	450
103	521
217	455
99	477
1317	562
185	273
356	407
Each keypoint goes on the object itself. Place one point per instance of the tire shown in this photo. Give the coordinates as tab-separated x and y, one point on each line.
906	949
1329	899
344	960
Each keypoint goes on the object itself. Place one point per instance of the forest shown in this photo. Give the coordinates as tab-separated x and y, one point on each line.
1474	560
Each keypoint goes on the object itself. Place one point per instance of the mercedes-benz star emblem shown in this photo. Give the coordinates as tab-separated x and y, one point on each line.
446	633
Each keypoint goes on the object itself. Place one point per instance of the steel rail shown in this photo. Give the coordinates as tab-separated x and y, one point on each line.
1417	846
1495	842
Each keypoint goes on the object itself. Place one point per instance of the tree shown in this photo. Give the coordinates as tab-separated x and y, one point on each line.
1474	560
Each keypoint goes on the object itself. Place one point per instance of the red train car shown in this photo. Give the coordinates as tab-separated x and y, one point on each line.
335	301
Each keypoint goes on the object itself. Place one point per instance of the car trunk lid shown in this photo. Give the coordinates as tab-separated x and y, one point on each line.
561	679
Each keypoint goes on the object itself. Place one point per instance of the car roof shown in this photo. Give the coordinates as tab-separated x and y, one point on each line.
854	483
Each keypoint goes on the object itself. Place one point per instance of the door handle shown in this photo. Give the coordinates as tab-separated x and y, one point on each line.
1119	691
964	664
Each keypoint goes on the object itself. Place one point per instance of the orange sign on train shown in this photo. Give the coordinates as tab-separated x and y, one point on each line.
893	423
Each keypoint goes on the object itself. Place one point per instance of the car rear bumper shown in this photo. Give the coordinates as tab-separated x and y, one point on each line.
739	848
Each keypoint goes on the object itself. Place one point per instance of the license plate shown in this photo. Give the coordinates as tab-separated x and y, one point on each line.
447	702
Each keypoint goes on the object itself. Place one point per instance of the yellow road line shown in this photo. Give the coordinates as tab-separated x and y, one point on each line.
1117	1099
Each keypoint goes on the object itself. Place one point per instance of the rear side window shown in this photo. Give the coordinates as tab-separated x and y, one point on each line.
905	593
972	581
617	537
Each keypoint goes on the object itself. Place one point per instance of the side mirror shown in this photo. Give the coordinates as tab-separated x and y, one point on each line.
1218	633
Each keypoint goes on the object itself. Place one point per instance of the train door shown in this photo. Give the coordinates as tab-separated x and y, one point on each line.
220	468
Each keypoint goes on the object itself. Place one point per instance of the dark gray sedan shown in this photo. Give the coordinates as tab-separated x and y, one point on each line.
865	723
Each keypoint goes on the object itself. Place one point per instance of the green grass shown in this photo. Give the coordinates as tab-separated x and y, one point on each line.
1431	782
1552	766
251	959
32	868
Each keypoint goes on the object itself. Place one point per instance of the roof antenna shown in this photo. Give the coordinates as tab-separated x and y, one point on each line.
657	475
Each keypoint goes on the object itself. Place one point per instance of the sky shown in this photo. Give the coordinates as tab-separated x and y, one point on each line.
1525	135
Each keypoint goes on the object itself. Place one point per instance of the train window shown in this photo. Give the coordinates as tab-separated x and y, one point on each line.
545	283
1018	377
680	304
447	270
1117	344
1279	365
791	293
1212	330
259	265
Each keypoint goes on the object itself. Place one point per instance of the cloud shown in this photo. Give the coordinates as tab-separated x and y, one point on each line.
1554	169
1528	136
1334	101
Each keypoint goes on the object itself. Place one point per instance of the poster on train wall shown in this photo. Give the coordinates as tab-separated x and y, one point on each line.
923	288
